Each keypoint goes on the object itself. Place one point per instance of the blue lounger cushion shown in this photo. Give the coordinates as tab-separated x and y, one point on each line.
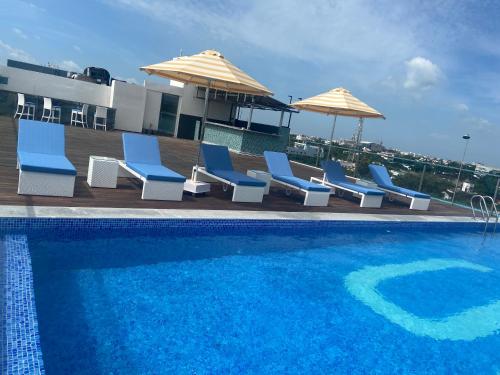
408	192
279	167
302	184
359	189
216	158
218	162
381	177
278	164
40	148
142	155
238	178
335	174
154	172
45	163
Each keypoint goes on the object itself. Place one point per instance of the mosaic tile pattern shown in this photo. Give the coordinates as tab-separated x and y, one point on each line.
21	350
209	226
20	344
247	142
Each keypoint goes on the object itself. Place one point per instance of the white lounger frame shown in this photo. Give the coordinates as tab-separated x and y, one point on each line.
421	204
152	189
241	193
367	201
312	198
41	183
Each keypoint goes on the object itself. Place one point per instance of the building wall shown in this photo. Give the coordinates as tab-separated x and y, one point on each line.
130	103
41	84
154	92
152	110
191	105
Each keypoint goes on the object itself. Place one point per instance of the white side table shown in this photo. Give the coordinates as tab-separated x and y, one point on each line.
103	172
196	187
262	176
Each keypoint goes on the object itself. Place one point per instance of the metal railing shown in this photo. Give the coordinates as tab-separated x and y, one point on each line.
486	213
431	177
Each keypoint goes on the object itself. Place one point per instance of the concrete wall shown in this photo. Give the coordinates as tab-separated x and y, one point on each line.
153	102
130	102
41	84
191	105
152	110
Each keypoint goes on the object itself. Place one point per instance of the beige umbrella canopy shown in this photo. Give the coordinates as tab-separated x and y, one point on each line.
211	70
208	69
339	102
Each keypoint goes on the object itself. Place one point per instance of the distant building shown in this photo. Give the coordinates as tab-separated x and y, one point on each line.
372	146
389	156
482	169
467	187
304	149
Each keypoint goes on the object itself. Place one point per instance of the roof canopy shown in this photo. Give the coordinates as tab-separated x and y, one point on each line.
208	69
245	100
340	102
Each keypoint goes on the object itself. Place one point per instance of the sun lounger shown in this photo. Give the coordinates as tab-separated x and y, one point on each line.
334	177
281	173
43	166
419	201
218	166
142	160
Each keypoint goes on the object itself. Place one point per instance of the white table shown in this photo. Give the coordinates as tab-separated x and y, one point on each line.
103	172
262	176
196	187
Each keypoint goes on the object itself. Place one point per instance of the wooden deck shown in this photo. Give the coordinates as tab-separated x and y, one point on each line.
179	155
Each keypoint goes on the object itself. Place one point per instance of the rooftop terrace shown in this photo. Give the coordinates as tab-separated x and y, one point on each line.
179	155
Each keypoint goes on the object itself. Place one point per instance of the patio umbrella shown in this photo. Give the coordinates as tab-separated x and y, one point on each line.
211	70
339	102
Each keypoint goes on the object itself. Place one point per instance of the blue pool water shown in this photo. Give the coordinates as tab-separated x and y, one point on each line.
346	301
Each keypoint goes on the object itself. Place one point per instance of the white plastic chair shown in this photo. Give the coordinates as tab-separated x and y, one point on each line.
50	113
24	108
101	118
79	116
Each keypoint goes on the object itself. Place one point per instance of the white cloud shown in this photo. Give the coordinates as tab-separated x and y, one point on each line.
70	65
15	53
322	30
19	33
421	74
461	107
77	48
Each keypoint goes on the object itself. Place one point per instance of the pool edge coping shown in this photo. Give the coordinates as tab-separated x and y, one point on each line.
32	212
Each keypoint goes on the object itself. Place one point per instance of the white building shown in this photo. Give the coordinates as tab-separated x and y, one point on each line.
304	149
372	146
169	108
482	169
467	187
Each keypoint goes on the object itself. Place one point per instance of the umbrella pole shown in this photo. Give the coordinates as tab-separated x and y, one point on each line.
331	137
358	141
202	129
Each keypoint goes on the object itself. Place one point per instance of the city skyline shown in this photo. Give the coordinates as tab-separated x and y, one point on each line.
432	71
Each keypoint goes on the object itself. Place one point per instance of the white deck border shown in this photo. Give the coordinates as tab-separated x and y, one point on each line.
138	213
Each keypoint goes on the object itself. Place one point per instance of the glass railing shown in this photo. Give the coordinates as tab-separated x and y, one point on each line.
448	183
8	105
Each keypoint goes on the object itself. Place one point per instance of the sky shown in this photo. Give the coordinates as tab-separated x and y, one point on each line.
431	67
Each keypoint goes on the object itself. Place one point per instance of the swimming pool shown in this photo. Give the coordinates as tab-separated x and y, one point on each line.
262	297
